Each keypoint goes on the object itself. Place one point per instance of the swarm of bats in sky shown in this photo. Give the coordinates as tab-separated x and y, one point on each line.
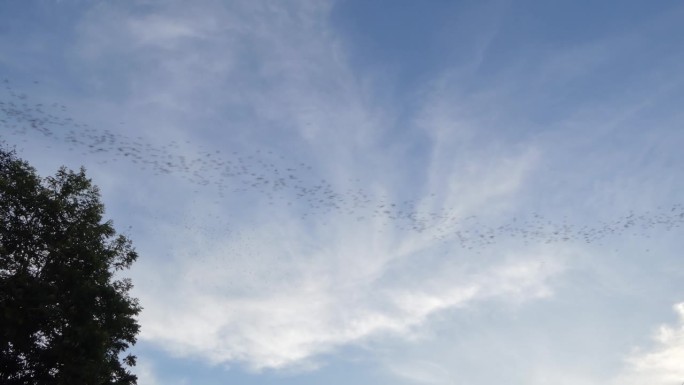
279	179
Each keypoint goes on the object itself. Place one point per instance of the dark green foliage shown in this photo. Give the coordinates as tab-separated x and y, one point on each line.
65	318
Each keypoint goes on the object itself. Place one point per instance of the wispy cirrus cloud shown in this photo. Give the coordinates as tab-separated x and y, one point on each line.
280	294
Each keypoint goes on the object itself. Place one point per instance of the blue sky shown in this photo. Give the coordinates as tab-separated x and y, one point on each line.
388	192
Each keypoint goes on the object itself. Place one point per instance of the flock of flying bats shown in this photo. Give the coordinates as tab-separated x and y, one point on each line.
279	179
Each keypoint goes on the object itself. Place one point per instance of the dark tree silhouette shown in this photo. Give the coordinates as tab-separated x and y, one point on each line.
65	316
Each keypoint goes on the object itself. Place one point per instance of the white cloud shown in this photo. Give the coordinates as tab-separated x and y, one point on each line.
663	363
273	309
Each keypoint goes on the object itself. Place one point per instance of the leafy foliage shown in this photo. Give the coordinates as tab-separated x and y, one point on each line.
65	317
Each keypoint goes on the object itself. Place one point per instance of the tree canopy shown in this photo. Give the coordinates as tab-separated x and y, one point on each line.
66	316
